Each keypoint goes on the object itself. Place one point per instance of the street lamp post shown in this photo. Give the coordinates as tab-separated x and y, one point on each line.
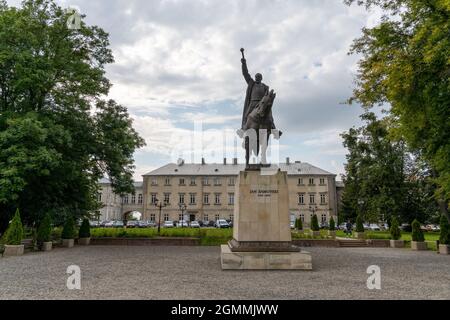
159	205
182	207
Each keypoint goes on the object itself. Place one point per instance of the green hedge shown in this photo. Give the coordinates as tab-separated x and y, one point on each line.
315	223
85	229
14	233
44	233
395	230
69	229
444	237
417	234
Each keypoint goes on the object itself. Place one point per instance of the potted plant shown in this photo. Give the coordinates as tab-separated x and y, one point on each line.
315	229
444	239
418	239
332	228
359	232
13	237
396	234
44	234
68	233
84	235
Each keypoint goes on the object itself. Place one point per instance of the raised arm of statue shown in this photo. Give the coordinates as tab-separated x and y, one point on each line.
245	73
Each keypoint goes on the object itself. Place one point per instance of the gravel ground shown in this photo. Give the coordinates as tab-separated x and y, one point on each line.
194	273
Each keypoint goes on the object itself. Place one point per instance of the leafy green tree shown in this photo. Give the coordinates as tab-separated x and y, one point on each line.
417	234
359	224
44	232
14	233
68	229
332	226
405	64
315	223
445	231
58	136
394	229
85	229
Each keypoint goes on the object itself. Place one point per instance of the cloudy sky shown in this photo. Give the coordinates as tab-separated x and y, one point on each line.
178	71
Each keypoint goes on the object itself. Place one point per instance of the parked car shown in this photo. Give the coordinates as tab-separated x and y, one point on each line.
342	226
211	224
384	227
221	223
292	225
374	227
132	224
323	225
94	224
406	227
168	224
118	224
195	224
109	224
182	224
230	223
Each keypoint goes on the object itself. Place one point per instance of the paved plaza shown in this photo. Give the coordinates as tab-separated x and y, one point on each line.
111	272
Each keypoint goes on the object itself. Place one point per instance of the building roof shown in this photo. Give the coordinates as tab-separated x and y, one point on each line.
172	169
137	184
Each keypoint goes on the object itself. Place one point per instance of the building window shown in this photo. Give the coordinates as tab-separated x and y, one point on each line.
205	181
181	200
302	217
193	181
125	199
133	199
167	198
323	198
167	181
205	218
217	198
217	181
140	199
322	181
232	181
311	181
180	217
166	217
99	197
231	199
217	217
324	217
312	199
301	198
206	198
154	182
182	182
192	199
300	181
153	217
153	198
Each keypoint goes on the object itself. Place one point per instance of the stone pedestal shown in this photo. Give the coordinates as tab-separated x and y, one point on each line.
84	241
418	246
360	235
13	250
47	246
397	243
444	249
68	243
262	234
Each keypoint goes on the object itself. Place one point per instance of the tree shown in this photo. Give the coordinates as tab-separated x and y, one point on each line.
315	223
332	226
359	224
14	233
85	229
44	230
68	229
417	234
58	136
394	229
445	231
405	65
298	224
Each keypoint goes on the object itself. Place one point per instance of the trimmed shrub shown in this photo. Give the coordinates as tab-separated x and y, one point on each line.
85	229
394	229
44	233
14	233
298	224
315	223
417	234
69	229
332	225
445	231
359	224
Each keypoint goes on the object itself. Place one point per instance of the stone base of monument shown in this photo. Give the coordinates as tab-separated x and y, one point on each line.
246	260
262	234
